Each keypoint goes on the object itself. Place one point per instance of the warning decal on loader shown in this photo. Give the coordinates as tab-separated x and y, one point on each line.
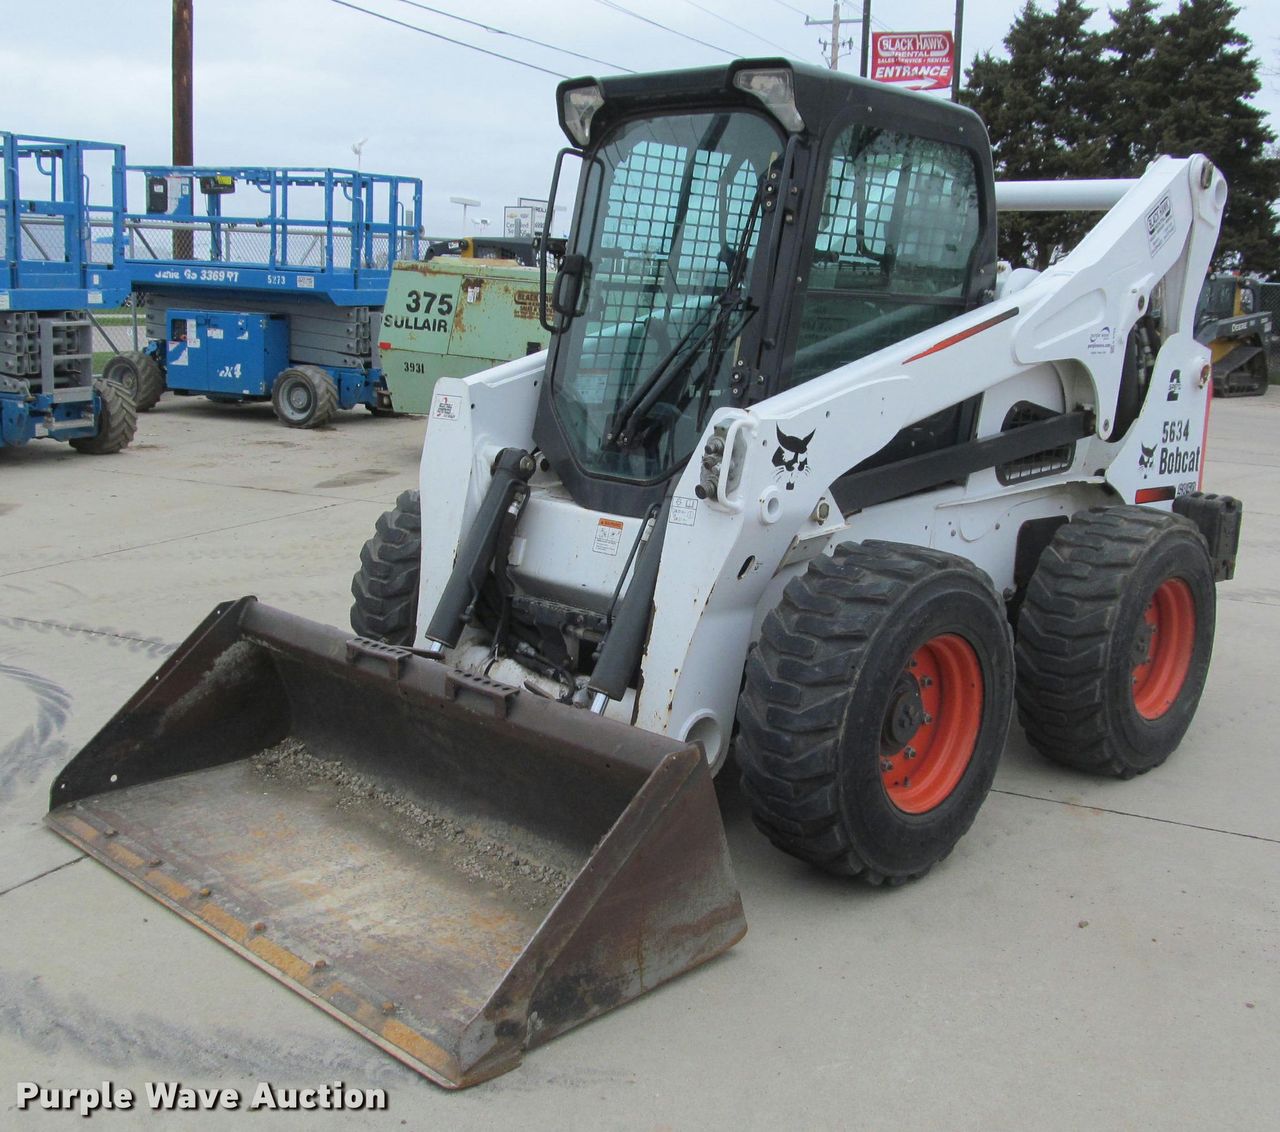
608	537
684	511
444	407
1160	225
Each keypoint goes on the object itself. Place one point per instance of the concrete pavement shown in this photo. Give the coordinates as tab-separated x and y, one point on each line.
1094	954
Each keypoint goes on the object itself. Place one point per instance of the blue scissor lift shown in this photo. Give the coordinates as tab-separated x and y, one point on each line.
61	220
265	284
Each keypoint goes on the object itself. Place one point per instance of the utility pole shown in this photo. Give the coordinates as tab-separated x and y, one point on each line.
866	36
183	144
955	70
834	23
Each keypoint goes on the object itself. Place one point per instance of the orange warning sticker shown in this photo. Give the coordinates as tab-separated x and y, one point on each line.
608	536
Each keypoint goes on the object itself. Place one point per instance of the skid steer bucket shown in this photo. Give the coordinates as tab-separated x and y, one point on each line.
456	869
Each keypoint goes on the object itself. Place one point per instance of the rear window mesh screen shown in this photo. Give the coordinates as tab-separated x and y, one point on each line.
892	257
900	213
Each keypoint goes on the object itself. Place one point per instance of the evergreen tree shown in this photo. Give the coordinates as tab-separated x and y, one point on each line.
1206	73
1044	107
1068	102
1132	45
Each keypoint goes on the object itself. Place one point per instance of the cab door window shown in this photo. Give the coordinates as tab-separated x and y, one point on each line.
894	249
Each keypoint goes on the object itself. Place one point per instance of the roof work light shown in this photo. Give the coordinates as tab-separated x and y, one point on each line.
773	87
579	106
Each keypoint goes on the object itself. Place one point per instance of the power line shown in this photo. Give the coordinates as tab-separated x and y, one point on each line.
515	35
799	11
726	20
455	42
654	23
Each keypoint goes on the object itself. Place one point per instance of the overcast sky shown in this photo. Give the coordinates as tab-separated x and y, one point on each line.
297	82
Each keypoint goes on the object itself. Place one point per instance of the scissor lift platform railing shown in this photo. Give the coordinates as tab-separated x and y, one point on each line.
342	255
62	229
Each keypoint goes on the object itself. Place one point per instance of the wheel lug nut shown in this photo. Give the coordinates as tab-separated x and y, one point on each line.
886	765
910	752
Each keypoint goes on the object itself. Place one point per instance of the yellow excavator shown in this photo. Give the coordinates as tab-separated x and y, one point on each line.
1232	321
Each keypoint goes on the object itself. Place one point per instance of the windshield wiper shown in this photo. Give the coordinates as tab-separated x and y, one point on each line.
717	315
727	303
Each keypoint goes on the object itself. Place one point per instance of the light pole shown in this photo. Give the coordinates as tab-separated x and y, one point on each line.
466	202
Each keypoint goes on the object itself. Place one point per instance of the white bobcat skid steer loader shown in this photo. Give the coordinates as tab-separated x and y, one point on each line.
796	459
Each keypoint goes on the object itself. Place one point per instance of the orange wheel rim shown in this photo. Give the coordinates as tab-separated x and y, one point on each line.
931	724
1162	648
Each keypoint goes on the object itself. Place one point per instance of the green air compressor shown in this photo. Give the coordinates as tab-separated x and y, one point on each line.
451	317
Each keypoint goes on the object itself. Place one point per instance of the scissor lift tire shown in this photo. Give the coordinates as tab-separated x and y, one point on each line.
140	374
117	421
304	397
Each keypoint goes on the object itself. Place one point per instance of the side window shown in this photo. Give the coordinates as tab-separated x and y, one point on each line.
893	252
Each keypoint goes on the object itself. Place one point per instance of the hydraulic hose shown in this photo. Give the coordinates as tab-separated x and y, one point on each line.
621	649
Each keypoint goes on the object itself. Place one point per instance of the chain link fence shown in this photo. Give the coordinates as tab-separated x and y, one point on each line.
1271	302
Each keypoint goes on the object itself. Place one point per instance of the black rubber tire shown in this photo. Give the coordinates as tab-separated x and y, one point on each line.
1079	627
1248	380
385	587
304	397
117	421
140	374
818	688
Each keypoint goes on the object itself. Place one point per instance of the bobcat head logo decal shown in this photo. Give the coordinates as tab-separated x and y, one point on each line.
1148	457
791	458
